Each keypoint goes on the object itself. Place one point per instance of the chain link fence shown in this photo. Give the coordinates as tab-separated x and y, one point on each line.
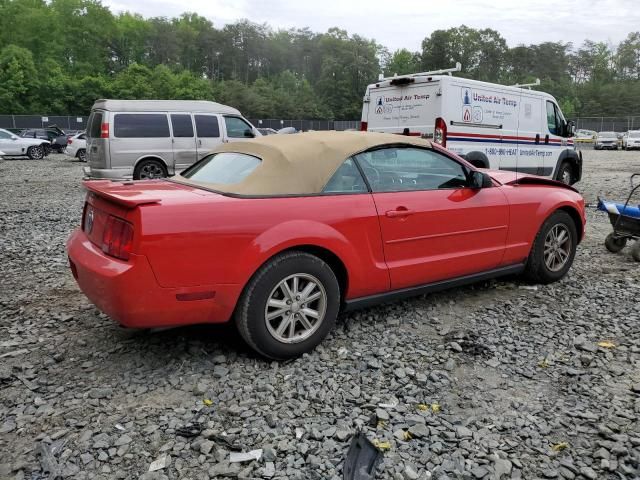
76	122
609	124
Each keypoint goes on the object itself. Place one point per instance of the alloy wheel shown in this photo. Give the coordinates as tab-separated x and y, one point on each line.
557	247
150	171
295	308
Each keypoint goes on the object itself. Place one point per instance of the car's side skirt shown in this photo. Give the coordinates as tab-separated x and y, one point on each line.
395	295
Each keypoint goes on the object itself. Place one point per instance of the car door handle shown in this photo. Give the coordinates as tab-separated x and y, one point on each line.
399	212
546	139
537	138
199	142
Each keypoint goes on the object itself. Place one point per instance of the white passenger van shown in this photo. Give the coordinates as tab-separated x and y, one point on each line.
144	139
490	125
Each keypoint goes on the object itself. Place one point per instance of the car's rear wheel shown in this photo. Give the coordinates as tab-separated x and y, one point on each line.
553	250
35	152
82	155
288	306
614	244
149	169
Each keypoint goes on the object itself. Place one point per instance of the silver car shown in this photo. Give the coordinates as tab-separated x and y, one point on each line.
606	140
13	145
145	139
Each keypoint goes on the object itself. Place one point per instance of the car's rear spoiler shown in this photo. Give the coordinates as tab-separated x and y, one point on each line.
120	193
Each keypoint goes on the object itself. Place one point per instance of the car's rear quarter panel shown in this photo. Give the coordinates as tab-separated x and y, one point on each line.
223	240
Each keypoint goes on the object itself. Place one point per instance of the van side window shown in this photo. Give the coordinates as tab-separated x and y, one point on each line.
555	128
207	126
141	125
182	126
94	124
237	128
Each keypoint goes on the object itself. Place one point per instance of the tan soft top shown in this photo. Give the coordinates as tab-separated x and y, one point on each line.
301	163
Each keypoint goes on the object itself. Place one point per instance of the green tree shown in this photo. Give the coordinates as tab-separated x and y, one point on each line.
18	83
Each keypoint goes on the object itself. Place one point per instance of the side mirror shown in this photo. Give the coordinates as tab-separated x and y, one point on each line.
571	129
248	133
480	180
14	137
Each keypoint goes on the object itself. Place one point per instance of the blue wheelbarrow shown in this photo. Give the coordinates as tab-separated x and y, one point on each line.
625	220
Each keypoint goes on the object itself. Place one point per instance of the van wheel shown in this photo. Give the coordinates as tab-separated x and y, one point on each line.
553	249
149	169
289	306
36	152
565	174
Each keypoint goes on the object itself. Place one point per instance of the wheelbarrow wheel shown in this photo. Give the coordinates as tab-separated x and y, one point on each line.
615	244
635	251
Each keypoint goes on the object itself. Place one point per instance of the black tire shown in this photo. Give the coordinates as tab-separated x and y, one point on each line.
36	152
537	269
635	251
82	155
251	311
614	244
565	173
149	169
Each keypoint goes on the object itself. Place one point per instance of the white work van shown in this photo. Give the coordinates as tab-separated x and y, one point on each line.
490	125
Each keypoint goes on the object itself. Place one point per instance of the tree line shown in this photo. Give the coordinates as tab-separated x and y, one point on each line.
58	56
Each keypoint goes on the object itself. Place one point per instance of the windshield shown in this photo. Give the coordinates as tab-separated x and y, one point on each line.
222	168
634	134
607	134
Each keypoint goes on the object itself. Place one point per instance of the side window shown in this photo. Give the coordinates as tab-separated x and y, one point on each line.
237	128
141	125
552	119
347	179
94	125
82	137
4	134
207	126
410	169
182	126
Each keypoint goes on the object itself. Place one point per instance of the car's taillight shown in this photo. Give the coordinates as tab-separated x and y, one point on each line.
117	238
69	141
440	132
363	126
104	130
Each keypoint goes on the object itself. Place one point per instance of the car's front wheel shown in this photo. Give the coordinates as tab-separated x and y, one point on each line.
82	155
553	250
289	305
36	152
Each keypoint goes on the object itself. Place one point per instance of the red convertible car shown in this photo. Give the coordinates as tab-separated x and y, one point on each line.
282	233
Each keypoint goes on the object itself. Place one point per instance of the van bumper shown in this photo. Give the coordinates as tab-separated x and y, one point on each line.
108	173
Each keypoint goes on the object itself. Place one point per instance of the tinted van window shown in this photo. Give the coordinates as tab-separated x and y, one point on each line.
141	125
182	126
207	126
94	124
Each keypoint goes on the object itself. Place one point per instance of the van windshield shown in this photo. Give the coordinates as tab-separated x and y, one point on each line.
94	124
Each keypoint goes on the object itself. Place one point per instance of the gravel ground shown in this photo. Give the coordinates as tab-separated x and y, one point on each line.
497	380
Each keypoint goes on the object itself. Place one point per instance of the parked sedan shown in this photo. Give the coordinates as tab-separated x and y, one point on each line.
281	234
631	140
77	147
606	140
13	145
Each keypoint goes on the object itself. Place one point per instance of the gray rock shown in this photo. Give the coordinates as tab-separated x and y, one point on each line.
589	473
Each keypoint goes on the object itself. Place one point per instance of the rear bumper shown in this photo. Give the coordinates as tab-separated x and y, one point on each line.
108	173
129	293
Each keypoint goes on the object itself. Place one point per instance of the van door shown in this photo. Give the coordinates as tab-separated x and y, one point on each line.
531	134
237	128
554	142
140	135
419	108
207	132
384	108
185	152
98	155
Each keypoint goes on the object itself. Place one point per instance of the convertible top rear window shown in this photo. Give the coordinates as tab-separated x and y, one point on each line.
223	168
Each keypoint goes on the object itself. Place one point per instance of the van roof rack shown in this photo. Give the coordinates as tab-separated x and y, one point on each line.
527	85
448	71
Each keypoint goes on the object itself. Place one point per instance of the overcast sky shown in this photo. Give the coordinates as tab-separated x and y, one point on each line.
398	24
